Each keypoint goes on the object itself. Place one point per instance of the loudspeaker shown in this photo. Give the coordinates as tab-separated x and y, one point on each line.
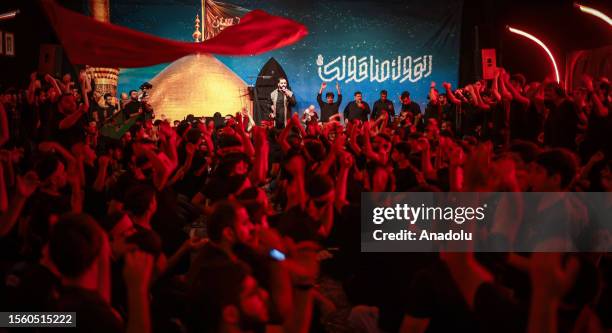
488	63
50	59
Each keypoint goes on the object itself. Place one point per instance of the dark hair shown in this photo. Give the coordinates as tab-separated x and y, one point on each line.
46	166
108	95
318	185
559	161
223	216
74	244
520	78
138	199
559	91
403	148
330	94
528	151
217	285
358	93
383	92
226	141
193	135
405	94
131	91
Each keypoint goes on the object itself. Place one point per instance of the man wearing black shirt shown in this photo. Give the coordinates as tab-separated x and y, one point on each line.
561	125
330	108
133	107
383	104
408	105
405	174
357	109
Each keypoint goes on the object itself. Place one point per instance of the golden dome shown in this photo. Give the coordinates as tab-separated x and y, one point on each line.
197	84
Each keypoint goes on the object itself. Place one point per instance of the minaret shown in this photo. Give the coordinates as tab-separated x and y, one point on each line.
197	35
106	79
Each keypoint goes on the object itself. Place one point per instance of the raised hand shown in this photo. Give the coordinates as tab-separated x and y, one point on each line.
551	278
588	82
104	161
346	160
323	85
27	184
446	85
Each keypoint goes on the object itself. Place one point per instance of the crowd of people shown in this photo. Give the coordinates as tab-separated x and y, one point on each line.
223	225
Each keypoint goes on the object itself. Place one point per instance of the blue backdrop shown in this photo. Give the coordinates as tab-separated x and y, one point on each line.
366	45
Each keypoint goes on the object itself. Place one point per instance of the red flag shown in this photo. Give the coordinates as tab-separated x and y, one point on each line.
90	42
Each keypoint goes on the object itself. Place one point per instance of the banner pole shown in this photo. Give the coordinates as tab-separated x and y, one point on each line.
204	20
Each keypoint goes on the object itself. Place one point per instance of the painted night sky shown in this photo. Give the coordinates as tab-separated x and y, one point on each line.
376	30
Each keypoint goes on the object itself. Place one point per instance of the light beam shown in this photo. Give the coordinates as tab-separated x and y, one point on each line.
594	12
541	44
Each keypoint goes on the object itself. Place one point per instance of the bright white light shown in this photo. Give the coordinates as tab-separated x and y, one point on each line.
542	45
9	15
594	12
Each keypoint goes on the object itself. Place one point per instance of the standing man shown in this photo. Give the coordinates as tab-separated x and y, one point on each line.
282	101
383	104
329	110
357	109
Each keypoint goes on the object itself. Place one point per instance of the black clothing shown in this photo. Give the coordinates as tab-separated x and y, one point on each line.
93	313
412	107
131	108
327	109
518	120
561	125
352	111
381	105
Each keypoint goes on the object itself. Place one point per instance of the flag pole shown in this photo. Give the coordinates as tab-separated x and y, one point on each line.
204	20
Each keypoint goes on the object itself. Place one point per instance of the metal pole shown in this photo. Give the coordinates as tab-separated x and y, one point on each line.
204	20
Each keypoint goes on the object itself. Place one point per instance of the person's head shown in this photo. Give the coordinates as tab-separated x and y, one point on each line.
51	172
383	95
140	202
401	152
321	194
600	177
358	96
442	100
553	92
228	298
133	95
256	202
108	99
518	81
553	171
229	223
282	83
382	143
67	103
67	78
580	96
329	97
405	97
124	97
75	243
526	152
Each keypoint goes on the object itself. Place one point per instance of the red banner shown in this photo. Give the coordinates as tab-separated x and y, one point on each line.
87	41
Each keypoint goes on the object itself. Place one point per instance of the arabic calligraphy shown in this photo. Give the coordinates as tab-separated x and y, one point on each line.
358	69
221	23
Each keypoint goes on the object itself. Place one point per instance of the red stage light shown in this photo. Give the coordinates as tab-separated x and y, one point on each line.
594	12
542	45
